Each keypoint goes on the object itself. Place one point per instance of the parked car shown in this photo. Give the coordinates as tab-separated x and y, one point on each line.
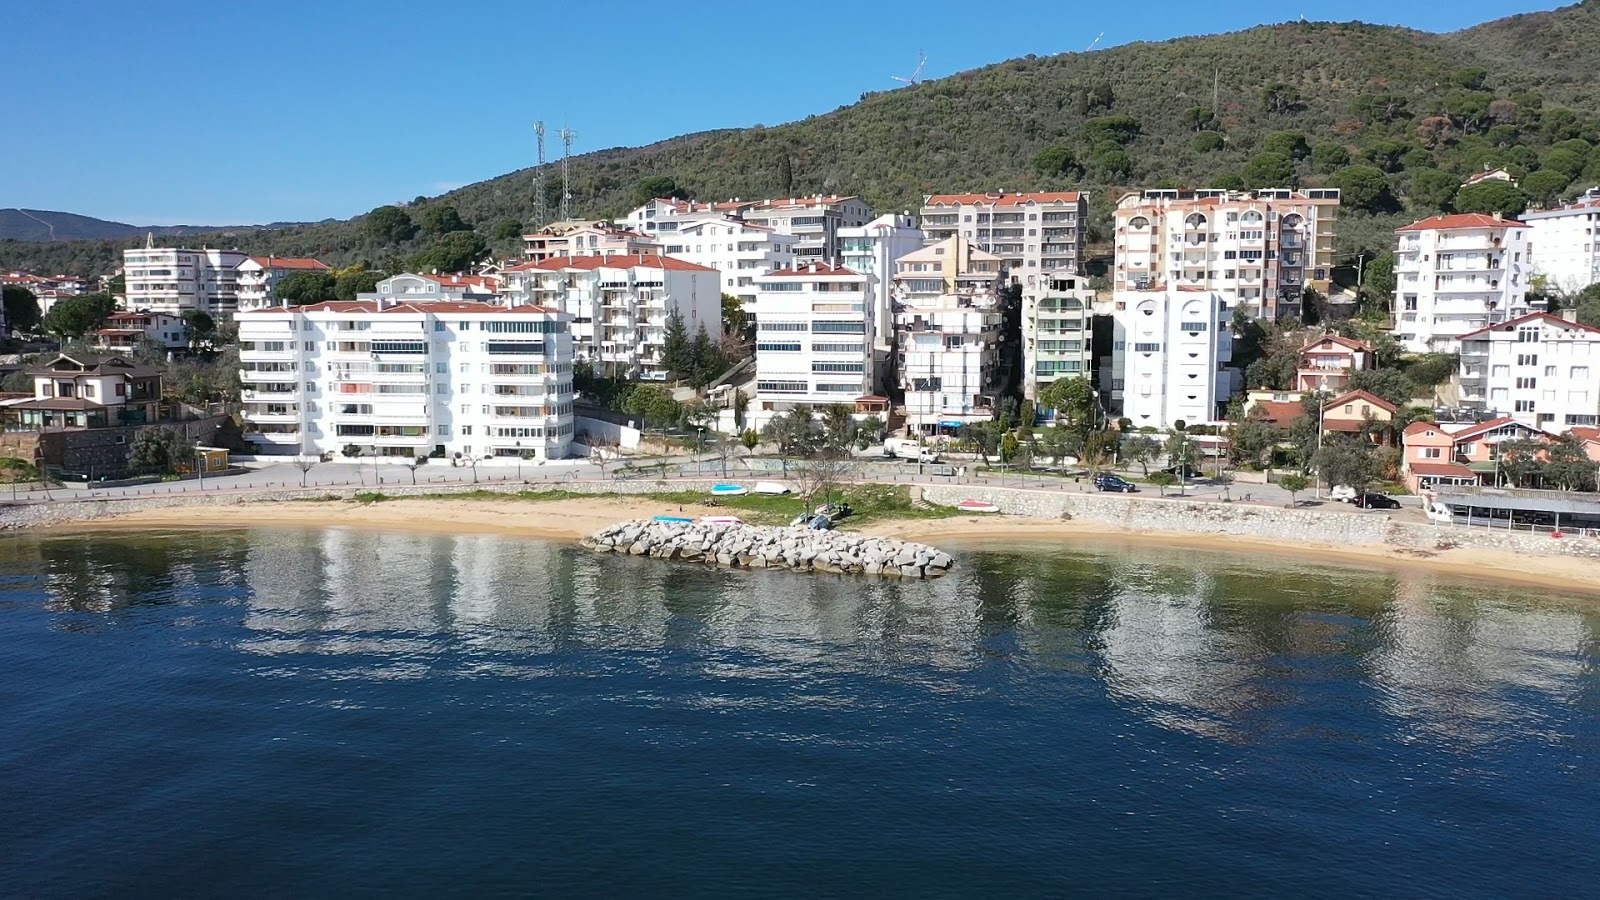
1371	500
1188	472
1114	483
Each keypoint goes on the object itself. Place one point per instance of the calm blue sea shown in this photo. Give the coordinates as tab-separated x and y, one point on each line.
337	713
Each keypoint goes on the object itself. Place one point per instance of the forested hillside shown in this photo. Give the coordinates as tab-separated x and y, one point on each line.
1396	118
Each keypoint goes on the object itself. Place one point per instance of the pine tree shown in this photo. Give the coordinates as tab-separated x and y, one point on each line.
675	349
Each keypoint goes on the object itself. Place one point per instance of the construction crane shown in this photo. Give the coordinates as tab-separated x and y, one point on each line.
916	77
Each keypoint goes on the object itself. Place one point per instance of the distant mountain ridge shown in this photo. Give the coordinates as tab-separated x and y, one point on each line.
50	225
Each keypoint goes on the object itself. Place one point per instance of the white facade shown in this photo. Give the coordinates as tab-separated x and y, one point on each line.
619	305
258	274
1057	328
597	238
740	251
176	281
873	250
1455	275
1539	369
1564	244
1033	233
814	339
1170	353
125	332
815	221
1258	249
947	322
408	379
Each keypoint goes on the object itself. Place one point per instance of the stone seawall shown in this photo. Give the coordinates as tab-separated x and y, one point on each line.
733	545
1338	525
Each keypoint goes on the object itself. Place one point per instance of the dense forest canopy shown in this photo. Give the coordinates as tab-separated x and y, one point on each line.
1396	118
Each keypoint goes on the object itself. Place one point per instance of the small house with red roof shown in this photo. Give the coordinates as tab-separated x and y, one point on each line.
1458	453
1327	362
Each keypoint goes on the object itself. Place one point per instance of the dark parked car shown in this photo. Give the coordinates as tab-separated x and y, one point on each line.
1369	500
1114	483
1188	472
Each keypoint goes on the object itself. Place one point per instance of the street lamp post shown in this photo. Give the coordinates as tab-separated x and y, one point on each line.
519	460
1322	414
699	446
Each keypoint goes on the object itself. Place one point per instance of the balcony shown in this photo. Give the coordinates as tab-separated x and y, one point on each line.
246	375
273	418
262	396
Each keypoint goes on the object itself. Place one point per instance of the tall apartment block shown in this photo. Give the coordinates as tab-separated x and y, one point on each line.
1458	274
1057	330
1170	355
406	379
1257	249
1033	234
176	281
1566	243
814	339
873	250
740	251
619	305
814	221
947	322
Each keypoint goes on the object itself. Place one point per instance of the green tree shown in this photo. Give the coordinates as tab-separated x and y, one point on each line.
1269	170
1253	440
1112	163
75	317
1432	189
1058	161
1587	304
1567	465
706	361
1567	161
675	352
1346	460
347	283
1289	143
750	440
1491	197
735	320
1294	484
21	308
1162	481
653	404
506	230
202	328
389	225
1141	449
1119	130
453	252
159	450
303	287
1365	188
838	427
1327	156
657	186
1009	447
1519	461
1545	185
741	408
1072	397
1207	142
1378	277
1279	98
442	218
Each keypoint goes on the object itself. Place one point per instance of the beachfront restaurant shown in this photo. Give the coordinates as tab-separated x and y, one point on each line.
1511	508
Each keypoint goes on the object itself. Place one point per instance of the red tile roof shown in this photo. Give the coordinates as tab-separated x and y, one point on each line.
1003	199
485	282
1485	427
289	262
1583	433
1462	220
1442	470
1512	324
1279	412
1420	427
437	307
812	269
1340	340
614	261
1373	399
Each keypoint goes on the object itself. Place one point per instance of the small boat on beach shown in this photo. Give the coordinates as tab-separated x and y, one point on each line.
774	488
721	520
727	490
673	519
977	506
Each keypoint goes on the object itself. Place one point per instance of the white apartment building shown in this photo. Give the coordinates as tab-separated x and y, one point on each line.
815	221
873	250
740	251
174	281
814	339
405	379
1564	244
1169	355
1258	249
619	305
664	215
1539	369
125	332
1057	327
435	288
1033	233
593	238
258	274
947	319
1455	275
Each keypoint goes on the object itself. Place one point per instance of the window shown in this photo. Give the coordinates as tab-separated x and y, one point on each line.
825	327
1527	359
817	347
1524	406
399	347
311	346
1550	371
441	430
1524	384
1432	453
1528	335
781	326
781	387
836	367
778	347
1147	348
1580	372
438	325
1193	326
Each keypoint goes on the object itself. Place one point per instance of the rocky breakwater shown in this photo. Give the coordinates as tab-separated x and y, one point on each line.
766	547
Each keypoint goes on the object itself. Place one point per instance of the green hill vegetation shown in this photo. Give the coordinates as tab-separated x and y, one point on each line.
1395	118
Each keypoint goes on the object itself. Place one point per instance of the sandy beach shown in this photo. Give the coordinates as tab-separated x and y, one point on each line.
570	519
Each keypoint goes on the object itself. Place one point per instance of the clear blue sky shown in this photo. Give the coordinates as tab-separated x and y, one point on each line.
165	113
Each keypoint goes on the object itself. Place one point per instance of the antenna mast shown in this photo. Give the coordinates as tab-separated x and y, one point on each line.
567	135
541	206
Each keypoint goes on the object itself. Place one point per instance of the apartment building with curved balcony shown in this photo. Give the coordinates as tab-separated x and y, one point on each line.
400	379
948	313
1455	275
1170	353
1259	250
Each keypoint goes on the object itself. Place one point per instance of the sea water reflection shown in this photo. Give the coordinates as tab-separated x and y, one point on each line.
1206	644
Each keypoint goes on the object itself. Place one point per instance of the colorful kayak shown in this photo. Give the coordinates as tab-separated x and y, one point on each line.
722	520
673	519
727	490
